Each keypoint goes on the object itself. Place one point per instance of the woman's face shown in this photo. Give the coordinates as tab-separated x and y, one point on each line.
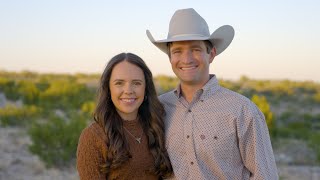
127	88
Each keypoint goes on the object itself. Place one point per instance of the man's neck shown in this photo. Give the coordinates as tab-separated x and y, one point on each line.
188	90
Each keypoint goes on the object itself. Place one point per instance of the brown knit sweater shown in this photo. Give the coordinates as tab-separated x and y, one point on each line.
91	153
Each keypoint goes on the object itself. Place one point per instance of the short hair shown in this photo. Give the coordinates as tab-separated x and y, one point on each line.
209	45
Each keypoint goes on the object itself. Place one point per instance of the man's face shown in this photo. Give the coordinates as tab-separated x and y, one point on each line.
190	61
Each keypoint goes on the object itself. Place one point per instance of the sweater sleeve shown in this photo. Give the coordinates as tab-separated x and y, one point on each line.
90	155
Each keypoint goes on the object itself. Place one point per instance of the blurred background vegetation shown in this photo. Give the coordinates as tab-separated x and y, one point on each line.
54	108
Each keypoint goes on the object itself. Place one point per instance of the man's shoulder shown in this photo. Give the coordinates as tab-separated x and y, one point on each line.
239	100
167	97
232	96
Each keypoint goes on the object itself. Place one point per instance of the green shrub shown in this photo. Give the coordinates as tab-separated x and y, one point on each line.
55	141
234	86
11	115
264	106
88	107
316	97
65	95
28	91
284	132
288	115
314	143
8	87
165	83
296	130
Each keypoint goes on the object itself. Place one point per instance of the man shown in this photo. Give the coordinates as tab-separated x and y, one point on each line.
211	132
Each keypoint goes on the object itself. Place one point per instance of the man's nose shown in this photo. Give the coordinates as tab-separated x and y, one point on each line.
187	57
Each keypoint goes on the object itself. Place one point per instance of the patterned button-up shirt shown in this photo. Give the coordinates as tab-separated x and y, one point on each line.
220	134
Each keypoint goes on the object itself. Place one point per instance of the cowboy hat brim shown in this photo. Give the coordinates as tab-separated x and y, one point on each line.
220	38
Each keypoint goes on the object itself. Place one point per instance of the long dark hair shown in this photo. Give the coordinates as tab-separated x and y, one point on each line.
151	113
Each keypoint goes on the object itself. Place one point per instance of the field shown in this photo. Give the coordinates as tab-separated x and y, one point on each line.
42	115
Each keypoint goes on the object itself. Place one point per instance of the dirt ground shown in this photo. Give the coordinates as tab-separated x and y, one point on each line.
17	163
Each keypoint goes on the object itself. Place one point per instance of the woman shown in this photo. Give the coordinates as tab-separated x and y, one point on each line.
126	141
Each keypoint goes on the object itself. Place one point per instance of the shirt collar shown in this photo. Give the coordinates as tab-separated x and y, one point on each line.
177	91
208	89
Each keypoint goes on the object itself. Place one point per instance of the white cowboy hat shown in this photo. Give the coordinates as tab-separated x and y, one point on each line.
188	25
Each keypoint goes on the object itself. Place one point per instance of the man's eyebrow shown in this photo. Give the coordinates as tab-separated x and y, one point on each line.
196	46
174	48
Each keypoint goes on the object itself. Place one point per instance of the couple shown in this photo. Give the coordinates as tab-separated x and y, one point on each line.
210	132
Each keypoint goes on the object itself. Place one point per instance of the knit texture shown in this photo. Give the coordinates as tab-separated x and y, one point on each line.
91	154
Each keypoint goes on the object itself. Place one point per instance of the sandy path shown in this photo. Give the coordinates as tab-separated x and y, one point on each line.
17	163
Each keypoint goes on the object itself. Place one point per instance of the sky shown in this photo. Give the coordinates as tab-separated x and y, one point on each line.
273	39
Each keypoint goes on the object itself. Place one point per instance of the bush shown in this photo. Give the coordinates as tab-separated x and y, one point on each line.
314	143
165	83
316	97
88	107
65	95
11	115
296	130
55	141
264	106
28	91
8	87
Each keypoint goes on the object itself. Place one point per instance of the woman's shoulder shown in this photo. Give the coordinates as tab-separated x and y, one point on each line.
93	131
91	152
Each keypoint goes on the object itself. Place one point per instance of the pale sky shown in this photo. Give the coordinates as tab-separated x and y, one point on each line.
273	39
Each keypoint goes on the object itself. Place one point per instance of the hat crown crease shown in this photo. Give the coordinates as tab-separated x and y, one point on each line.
188	23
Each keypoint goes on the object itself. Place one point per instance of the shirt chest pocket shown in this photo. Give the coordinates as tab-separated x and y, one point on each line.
213	144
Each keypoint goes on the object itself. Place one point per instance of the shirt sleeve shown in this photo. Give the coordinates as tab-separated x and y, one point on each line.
255	145
89	156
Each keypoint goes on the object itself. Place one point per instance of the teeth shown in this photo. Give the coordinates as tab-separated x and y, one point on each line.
128	100
188	68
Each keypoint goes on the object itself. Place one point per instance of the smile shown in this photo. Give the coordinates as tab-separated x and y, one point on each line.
128	100
188	68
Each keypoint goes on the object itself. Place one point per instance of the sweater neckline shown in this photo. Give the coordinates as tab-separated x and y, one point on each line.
131	122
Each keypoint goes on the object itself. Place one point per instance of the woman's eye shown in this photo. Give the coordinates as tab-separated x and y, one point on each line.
136	83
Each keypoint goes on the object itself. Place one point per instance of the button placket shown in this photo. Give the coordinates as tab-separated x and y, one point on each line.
189	141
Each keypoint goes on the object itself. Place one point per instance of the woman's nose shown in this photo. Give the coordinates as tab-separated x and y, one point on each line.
128	89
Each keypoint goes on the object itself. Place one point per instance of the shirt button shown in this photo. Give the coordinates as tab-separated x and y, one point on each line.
202	136
191	163
188	136
189	110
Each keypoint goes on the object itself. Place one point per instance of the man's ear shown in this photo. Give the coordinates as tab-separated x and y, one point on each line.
212	54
